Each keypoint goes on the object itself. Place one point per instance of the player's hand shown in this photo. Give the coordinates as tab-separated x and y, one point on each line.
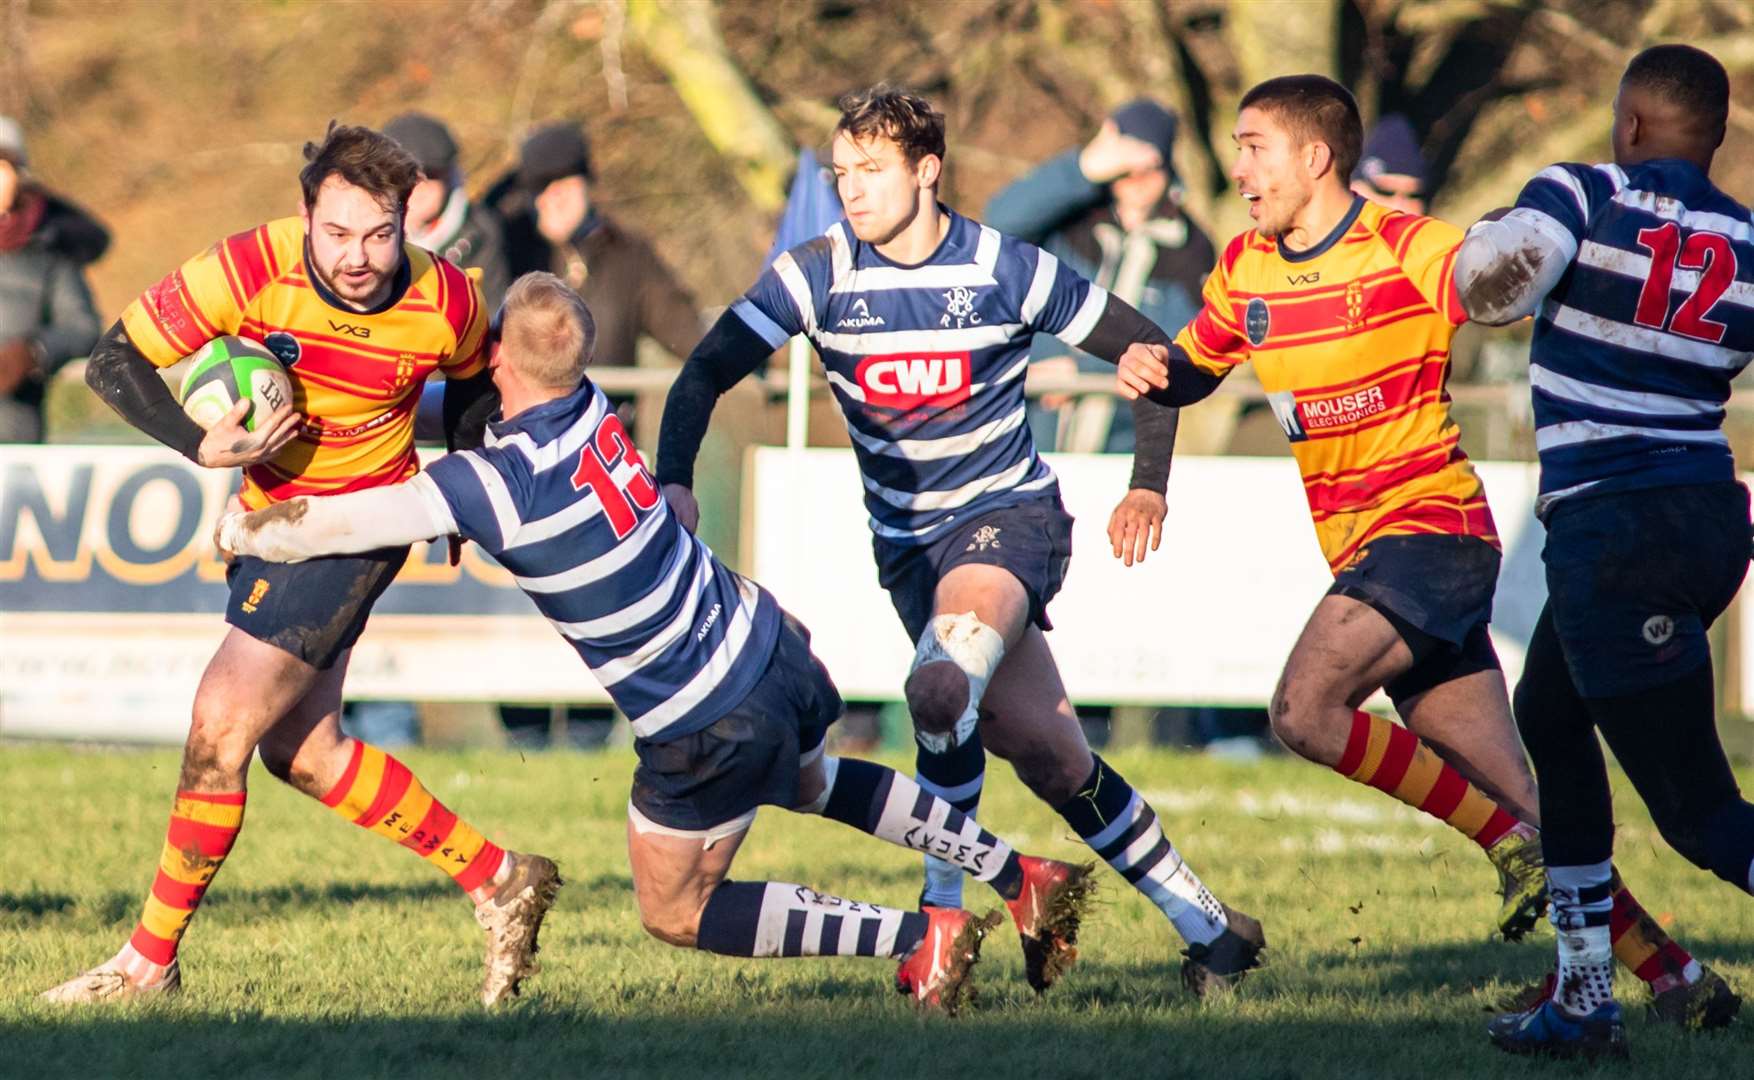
1112	155
1136	526
228	525
228	445
1142	369
682	504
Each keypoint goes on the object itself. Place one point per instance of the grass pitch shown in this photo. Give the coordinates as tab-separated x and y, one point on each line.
325	951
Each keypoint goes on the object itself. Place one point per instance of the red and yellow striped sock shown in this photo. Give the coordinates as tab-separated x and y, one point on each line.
1641	945
204	825
1390	758
379	793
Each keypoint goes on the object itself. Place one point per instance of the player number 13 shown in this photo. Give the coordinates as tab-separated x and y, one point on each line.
608	447
1706	252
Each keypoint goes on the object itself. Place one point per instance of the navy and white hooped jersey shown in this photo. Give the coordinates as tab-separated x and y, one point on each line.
560	496
1636	344
927	363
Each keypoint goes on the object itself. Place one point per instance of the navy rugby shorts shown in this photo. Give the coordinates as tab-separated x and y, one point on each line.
1636	578
314	610
1436	591
1032	540
708	783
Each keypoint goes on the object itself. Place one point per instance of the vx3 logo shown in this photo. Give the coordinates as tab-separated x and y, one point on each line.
350	329
1303	279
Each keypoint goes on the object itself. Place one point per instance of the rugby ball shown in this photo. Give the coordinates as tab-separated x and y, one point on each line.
228	369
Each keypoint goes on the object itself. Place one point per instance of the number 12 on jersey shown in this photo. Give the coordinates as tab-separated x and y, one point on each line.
1706	252
607	448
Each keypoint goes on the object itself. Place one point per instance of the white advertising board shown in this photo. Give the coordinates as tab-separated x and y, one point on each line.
111	593
1207	619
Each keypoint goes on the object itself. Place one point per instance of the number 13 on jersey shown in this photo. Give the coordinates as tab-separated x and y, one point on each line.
607	449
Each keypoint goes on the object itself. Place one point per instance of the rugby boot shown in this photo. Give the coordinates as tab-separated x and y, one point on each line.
1219	966
512	917
1522	881
109	983
1548	1031
1704	1004
1047	912
936	974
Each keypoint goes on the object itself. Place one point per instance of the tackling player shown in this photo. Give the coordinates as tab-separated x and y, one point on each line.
923	319
729	707
1347	309
1638	273
360	318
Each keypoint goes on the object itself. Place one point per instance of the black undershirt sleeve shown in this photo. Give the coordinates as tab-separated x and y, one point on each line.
127	382
1188	381
468	405
729	352
1154	422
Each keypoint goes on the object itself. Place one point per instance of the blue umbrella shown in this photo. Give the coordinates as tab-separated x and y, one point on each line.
812	206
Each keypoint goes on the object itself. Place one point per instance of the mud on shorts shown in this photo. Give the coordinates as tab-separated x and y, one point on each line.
707	784
314	610
1436	591
1636	578
1032	540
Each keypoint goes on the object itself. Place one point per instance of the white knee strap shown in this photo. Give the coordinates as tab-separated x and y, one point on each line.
976	649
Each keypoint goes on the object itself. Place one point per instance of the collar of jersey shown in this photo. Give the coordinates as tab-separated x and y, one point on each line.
1329	240
950	237
398	287
534	419
1699	182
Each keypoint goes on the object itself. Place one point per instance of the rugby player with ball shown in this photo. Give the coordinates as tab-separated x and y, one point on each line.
359	318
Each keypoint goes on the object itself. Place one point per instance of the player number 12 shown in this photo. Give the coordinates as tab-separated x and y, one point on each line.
1707	252
608	447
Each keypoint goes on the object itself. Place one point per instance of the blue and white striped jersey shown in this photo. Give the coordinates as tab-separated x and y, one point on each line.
560	496
927	363
1636	344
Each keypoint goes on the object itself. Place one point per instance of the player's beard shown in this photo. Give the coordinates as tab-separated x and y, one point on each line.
358	291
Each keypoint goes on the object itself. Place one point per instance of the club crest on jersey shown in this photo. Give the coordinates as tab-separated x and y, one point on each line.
1256	321
959	308
909	380
284	346
859	317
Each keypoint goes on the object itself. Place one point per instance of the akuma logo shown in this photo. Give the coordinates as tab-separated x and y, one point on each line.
859	317
909	380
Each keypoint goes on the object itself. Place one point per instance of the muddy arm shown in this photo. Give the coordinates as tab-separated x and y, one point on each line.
309	526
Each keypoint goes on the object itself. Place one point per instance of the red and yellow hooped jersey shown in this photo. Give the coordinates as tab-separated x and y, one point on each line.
1351	342
356	376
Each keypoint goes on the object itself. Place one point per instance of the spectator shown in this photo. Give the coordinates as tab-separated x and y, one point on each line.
441	216
622	280
1391	170
46	313
1110	211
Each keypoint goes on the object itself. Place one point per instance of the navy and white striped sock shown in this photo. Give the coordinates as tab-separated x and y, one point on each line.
1122	828
880	801
1582	906
773	918
955	776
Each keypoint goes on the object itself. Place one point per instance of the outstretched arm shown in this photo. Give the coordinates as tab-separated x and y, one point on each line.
729	351
1126	338
1509	262
309	526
